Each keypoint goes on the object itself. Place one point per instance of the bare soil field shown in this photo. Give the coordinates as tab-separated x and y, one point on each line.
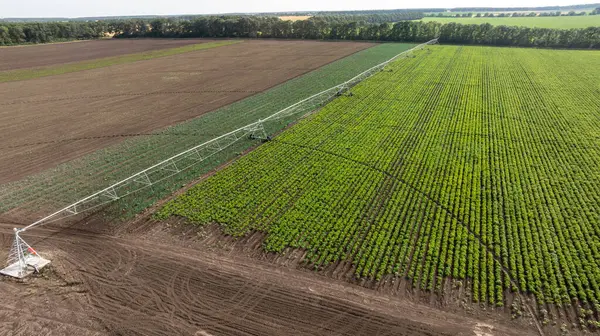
51	120
141	279
21	57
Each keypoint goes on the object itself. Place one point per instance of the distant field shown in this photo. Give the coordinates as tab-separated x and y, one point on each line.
295	17
477	164
587	10
94	63
563	22
41	55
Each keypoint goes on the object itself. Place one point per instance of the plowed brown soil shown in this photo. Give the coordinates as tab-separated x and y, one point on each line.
20	57
50	120
156	284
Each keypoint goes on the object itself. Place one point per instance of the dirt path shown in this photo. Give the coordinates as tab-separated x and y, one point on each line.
153	284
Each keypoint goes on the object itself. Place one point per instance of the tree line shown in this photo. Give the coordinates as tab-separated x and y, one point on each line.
351	12
403	31
45	32
317	28
369	18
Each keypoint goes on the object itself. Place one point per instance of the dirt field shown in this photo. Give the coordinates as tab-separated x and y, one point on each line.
50	120
143	280
295	17
20	57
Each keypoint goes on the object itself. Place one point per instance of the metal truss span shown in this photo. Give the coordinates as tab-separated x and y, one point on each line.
184	160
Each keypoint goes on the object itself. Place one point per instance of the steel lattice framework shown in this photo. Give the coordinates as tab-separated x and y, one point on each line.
20	261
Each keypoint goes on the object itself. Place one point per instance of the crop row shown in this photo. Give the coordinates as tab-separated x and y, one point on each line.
463	162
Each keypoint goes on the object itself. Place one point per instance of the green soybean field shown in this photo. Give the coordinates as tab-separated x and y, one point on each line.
479	164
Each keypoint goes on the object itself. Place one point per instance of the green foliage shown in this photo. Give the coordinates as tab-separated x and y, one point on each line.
473	163
45	32
404	31
23	74
369	18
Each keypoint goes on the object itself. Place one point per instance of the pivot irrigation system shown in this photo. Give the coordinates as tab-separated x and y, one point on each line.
23	260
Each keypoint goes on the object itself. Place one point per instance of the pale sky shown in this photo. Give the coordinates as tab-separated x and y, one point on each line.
82	8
